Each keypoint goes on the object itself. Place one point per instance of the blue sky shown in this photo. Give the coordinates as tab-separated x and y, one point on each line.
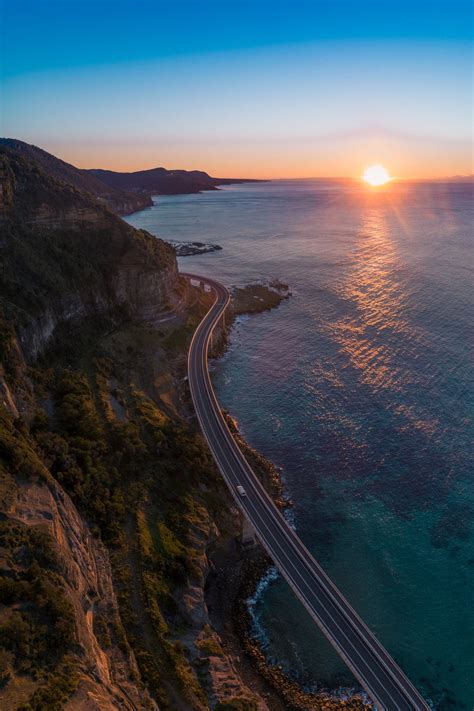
242	88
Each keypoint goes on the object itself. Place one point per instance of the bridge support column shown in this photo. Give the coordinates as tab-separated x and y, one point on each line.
248	537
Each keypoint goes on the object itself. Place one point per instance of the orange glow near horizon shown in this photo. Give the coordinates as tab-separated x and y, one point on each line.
376	175
335	158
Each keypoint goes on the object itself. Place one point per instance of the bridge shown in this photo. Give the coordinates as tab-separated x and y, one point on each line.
373	667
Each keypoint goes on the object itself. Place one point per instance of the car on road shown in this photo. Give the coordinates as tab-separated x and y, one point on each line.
241	490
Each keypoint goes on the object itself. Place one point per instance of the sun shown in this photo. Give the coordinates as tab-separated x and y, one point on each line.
376	175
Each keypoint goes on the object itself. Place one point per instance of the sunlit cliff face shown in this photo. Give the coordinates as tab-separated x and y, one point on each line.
376	175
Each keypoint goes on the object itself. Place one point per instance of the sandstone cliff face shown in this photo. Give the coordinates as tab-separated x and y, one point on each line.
202	641
107	677
106	669
124	203
65	259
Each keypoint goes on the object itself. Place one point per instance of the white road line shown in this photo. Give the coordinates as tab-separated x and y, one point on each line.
238	466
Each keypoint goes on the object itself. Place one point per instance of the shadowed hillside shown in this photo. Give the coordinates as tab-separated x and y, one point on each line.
64	256
159	181
119	201
108	497
123	193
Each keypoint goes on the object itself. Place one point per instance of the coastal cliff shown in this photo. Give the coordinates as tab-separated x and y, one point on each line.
117	533
109	498
122	193
65	257
160	181
122	202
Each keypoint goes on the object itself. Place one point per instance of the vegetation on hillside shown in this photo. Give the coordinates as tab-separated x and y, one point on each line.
58	242
145	483
119	201
37	633
97	415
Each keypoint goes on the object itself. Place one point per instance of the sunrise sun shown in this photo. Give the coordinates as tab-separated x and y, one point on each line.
376	175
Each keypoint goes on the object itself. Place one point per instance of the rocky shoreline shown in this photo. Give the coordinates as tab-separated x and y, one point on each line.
113	511
258	297
189	249
235	576
292	694
233	581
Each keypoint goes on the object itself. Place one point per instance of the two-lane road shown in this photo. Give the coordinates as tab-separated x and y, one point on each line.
377	672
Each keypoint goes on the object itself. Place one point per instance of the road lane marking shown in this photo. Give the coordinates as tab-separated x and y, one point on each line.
239	467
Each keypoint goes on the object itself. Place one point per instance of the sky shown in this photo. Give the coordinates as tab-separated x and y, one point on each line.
240	88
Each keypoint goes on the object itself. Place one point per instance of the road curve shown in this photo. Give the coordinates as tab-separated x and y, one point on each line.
370	663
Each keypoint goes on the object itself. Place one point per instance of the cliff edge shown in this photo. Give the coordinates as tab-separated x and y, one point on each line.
109	500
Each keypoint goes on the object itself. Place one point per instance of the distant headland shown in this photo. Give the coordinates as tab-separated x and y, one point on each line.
123	193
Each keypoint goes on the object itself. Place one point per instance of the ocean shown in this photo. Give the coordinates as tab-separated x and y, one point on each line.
360	388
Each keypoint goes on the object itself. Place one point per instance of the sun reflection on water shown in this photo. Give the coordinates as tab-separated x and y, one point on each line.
378	298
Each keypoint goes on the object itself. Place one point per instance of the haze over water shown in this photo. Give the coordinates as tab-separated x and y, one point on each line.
360	387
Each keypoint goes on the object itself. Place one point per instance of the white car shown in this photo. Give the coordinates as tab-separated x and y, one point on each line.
241	490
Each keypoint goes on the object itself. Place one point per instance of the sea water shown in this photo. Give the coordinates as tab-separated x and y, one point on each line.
360	388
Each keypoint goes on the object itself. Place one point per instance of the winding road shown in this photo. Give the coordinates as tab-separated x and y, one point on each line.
370	663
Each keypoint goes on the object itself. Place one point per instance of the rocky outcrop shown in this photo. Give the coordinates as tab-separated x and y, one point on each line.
258	297
204	643
188	249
